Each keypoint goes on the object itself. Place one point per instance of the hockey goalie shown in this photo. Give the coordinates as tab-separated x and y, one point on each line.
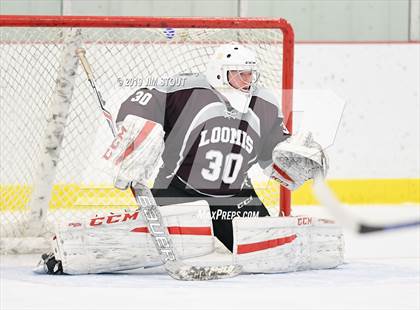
208	132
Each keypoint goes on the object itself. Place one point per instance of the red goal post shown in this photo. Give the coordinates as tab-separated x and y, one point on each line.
31	38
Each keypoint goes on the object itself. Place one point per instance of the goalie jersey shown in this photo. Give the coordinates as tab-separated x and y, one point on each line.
209	147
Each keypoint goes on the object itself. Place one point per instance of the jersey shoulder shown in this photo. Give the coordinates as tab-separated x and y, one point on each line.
191	96
267	99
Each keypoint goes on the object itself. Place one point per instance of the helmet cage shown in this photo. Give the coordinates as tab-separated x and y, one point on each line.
239	70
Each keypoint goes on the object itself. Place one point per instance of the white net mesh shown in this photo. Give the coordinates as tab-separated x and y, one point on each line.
123	59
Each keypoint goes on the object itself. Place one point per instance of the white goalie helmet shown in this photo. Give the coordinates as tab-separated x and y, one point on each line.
238	60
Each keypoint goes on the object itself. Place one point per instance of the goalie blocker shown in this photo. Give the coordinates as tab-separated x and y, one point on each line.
117	242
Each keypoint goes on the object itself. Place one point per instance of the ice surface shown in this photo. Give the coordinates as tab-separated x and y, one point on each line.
382	271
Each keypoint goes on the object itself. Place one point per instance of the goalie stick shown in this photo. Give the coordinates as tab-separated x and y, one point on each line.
153	218
327	198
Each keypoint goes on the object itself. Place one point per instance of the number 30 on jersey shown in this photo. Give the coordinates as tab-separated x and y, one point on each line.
141	97
227	167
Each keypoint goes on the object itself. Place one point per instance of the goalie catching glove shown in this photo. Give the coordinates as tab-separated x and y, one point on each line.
136	150
297	160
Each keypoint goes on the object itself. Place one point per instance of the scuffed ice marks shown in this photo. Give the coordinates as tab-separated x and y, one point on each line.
195	273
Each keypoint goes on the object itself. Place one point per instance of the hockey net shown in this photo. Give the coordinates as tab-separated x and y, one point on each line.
53	134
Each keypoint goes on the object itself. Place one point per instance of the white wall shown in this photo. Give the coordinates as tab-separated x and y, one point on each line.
379	133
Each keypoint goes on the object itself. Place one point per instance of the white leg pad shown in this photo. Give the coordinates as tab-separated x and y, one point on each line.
284	244
121	241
